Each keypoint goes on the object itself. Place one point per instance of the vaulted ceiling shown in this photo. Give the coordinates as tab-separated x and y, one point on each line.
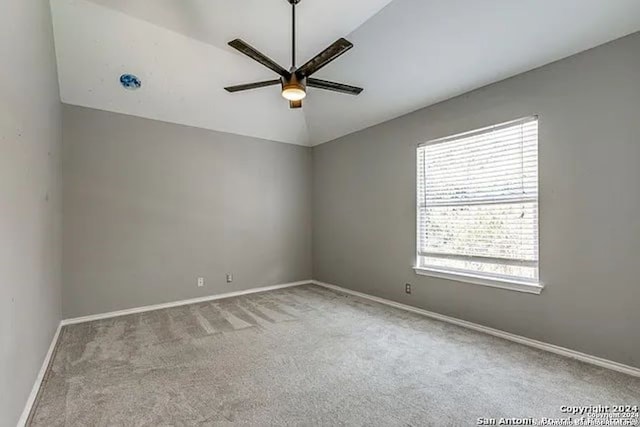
408	54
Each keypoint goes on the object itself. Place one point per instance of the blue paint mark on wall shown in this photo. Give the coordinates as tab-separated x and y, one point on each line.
129	81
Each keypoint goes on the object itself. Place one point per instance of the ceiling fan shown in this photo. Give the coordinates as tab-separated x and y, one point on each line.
295	81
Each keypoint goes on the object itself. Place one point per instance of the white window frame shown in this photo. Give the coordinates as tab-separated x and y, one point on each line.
509	283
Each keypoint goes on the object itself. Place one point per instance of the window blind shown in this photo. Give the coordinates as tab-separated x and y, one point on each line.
478	202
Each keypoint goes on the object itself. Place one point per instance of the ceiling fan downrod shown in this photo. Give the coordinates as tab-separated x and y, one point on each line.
293	33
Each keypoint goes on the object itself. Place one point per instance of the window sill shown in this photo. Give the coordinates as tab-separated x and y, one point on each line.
511	285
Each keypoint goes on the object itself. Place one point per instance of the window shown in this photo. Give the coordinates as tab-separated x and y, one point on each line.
478	204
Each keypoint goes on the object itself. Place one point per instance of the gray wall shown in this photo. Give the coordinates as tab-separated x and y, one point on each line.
589	142
30	199
150	206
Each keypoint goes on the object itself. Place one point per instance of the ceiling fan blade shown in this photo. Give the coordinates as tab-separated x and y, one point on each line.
252	53
339	47
336	87
295	104
255	85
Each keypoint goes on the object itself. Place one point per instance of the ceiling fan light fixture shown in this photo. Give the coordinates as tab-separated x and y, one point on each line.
293	88
294	92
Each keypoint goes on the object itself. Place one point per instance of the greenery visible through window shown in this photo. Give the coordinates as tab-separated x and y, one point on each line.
478	202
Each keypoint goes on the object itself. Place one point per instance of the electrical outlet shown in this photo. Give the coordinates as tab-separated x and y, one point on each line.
229	277
407	288
200	282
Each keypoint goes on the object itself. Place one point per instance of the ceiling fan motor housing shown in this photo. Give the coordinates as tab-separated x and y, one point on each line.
294	82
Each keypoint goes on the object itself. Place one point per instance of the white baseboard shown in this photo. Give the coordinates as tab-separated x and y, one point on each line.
583	357
36	385
142	309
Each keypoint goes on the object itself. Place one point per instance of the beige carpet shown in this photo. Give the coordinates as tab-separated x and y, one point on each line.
305	356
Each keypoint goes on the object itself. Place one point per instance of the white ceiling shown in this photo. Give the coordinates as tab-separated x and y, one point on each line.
443	47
